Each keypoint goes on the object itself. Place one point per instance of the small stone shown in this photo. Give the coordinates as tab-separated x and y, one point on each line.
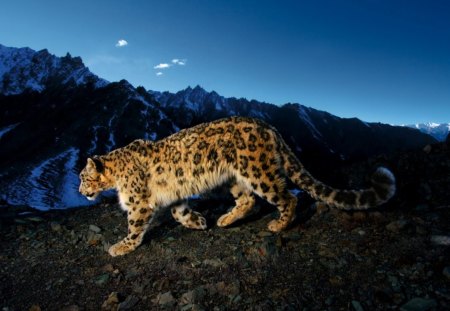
359	231
234	229
357	306
102	279
419	304
138	289
360	216
330	301
35	308
131	274
192	307
35	219
446	272
224	289
422	207
267	248
441	240
396	226
292	235
421	230
216	263
264	234
336	281
56	227
94	228
196	295
211	289
377	217
95	239
427	149
112	303
80	282
165	299
129	303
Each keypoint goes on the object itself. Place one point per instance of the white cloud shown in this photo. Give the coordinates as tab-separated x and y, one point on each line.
121	43
159	73
178	61
162	66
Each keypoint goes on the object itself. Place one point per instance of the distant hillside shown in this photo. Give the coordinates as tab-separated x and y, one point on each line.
438	131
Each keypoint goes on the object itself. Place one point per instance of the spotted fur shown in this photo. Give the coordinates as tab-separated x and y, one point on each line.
246	152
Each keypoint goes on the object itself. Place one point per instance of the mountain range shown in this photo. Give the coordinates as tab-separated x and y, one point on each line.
55	113
440	131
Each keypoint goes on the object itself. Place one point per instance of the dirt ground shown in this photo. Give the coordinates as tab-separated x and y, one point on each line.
393	258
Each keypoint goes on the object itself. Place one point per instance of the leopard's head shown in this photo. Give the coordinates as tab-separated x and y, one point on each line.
93	179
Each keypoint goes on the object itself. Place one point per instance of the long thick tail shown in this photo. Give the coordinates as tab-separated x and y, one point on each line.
382	189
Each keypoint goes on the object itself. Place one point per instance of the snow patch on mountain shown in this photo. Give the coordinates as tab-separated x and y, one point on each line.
303	114
70	196
53	183
440	131
6	129
94	141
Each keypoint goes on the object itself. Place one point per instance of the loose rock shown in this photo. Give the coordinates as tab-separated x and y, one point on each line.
396	226
112	303
446	272
94	228
441	240
357	306
102	279
419	304
56	227
166	299
194	296
129	303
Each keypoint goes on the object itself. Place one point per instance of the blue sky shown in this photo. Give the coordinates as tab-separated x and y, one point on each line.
378	60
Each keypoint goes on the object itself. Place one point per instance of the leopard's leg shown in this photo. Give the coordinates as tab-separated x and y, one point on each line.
188	218
276	193
244	203
139	216
286	205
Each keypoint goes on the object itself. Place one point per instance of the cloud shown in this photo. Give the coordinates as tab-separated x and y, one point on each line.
121	43
178	61
162	66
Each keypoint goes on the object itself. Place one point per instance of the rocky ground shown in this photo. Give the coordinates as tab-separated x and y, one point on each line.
395	257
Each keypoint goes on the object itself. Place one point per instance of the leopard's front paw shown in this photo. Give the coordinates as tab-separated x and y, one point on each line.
120	249
225	220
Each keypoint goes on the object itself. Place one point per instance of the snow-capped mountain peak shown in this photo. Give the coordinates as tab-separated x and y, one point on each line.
24	69
440	131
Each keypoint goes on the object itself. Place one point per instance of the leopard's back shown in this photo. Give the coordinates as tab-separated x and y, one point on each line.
197	159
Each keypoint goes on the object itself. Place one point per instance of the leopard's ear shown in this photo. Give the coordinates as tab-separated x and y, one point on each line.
95	164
